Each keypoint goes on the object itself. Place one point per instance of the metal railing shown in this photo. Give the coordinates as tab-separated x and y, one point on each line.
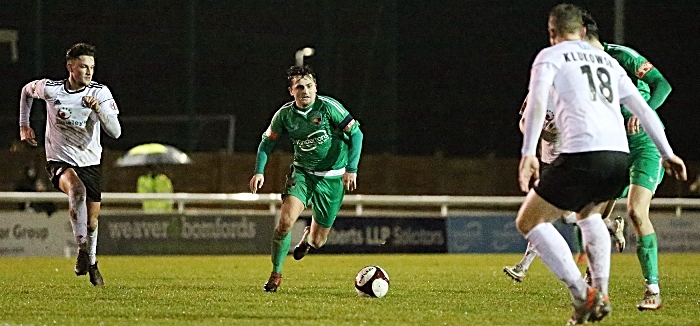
360	202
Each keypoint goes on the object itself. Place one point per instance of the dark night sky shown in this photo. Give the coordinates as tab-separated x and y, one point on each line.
421	76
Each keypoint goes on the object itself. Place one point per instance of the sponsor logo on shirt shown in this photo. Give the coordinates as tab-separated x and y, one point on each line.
63	113
73	123
549	116
317	119
72	116
643	69
312	140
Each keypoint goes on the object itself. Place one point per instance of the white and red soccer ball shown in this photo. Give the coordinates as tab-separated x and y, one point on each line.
372	281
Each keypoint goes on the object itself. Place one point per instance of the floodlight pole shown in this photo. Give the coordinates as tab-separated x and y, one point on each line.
619	21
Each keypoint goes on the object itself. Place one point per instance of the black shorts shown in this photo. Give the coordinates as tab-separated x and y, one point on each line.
91	176
544	167
575	180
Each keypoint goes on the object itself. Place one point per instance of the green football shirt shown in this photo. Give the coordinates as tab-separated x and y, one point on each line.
636	67
319	133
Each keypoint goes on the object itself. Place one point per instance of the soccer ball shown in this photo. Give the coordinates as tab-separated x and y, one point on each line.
372	281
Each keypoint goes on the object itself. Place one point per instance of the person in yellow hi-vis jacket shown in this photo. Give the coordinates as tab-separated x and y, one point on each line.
155	182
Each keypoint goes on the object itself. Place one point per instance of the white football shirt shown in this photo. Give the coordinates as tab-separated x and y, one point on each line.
549	150
587	86
72	130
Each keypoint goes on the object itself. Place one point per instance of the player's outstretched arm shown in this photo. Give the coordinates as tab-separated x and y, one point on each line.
26	134
660	89
256	182
536	108
676	167
267	144
529	170
110	123
350	181
30	91
354	151
633	101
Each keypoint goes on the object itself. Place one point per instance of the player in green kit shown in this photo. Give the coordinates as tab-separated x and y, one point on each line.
327	144
646	171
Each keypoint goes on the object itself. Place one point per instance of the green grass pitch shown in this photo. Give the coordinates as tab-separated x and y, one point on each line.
318	290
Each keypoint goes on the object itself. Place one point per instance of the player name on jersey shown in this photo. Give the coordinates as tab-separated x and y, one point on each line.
588	57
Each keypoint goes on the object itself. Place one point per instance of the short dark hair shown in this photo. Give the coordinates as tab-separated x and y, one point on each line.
79	49
302	71
567	19
591	26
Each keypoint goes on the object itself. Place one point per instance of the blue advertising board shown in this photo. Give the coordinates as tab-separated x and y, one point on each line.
492	234
386	235
175	234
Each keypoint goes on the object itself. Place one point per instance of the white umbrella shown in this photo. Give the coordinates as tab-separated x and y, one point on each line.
153	154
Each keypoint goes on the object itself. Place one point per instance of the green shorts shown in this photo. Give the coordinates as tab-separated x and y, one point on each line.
325	194
645	164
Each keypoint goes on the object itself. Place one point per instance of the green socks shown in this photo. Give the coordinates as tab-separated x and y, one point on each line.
647	252
280	249
579	239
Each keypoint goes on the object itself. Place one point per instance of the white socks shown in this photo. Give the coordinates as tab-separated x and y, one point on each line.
596	242
570	219
530	255
555	253
653	288
92	246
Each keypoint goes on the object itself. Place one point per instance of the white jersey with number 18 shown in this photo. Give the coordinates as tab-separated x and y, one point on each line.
585	90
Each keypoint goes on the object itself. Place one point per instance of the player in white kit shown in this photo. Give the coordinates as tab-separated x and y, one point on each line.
76	109
587	88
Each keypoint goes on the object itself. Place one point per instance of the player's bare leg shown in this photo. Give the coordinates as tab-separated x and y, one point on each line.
518	272
93	214
315	236
291	208
616	226
638	203
534	220
70	183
